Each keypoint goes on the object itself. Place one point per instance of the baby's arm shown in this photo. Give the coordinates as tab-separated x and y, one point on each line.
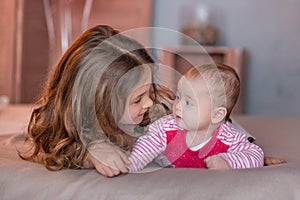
268	160
242	153
216	162
147	147
242	129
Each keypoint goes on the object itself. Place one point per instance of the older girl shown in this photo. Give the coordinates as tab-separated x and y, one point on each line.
83	104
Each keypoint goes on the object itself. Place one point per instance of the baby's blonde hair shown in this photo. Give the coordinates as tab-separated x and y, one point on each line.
223	84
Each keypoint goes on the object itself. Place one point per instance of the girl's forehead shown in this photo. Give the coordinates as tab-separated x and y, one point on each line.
138	76
140	90
143	79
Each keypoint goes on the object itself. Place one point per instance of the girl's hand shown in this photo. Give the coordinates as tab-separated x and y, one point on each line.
107	159
105	170
216	162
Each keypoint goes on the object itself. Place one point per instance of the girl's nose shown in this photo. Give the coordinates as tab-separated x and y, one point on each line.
148	103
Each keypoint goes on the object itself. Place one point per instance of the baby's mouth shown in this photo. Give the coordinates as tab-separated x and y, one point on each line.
178	117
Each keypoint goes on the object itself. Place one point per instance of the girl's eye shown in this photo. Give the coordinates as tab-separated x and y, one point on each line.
137	101
177	97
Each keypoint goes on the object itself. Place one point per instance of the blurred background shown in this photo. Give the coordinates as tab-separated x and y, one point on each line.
34	33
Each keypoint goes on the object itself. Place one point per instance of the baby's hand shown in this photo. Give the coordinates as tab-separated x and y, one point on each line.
273	161
216	162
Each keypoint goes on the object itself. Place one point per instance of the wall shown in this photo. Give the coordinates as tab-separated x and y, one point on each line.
28	53
269	31
23	50
7	41
35	47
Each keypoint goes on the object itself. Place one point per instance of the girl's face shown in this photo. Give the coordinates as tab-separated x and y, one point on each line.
139	101
192	106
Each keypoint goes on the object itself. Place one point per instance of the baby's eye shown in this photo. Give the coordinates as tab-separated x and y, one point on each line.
177	97
188	103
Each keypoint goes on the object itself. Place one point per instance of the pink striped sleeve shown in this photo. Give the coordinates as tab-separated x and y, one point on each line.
149	146
241	153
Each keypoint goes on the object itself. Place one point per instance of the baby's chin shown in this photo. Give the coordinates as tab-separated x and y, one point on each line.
180	123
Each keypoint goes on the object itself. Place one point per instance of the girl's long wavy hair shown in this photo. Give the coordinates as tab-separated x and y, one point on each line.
55	140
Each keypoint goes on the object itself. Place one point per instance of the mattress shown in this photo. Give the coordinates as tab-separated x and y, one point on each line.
278	136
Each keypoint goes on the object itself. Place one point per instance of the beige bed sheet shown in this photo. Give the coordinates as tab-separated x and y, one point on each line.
278	136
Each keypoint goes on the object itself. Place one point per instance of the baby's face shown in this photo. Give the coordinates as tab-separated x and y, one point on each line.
192	107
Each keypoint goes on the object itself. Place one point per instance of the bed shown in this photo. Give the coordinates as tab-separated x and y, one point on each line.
278	136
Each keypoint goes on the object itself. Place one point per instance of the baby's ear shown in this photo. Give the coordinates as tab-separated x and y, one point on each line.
218	115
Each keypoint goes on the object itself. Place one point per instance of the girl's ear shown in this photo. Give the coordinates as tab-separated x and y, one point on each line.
218	115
